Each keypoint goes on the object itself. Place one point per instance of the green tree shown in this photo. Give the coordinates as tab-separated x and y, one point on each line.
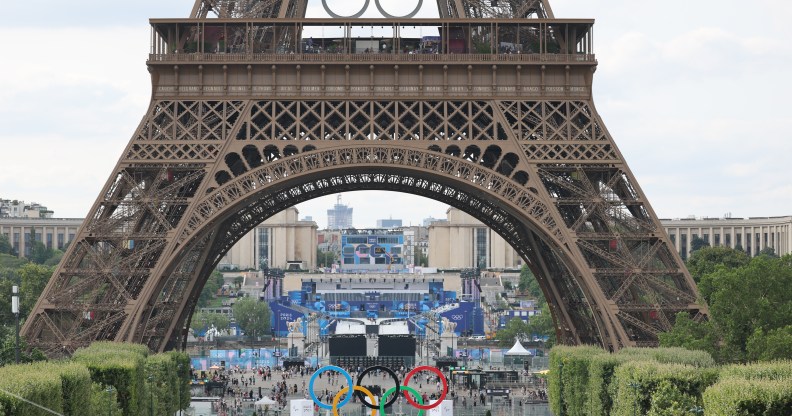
39	253
692	335
8	348
528	284
252	316
5	245
697	243
201	321
213	283
8	261
775	344
767	251
742	300
56	257
542	325
34	278
324	258
706	260
516	328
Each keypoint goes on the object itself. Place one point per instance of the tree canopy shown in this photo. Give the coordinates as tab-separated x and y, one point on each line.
201	321
750	310
252	316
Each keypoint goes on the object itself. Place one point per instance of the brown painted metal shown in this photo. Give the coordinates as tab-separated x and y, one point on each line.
232	138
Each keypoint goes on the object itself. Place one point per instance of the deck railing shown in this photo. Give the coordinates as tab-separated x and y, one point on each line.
370	57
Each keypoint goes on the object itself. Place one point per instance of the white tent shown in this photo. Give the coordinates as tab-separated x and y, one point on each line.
264	401
517	349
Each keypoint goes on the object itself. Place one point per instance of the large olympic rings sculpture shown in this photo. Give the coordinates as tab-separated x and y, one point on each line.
365	7
360	391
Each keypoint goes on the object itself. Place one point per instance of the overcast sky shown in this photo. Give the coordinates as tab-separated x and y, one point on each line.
696	96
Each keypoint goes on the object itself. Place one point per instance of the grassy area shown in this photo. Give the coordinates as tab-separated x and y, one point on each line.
11	262
216	302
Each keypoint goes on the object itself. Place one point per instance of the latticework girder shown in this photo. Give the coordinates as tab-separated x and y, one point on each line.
231	139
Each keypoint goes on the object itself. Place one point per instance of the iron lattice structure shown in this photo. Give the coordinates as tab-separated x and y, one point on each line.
247	119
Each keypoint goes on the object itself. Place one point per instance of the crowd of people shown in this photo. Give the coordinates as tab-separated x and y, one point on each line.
243	387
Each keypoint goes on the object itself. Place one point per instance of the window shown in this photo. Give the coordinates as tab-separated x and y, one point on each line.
481	247
396	250
363	250
717	240
728	239
379	250
380	260
349	260
349	250
387	240
356	240
264	258
683	246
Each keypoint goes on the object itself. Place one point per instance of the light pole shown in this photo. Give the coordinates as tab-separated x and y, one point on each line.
15	311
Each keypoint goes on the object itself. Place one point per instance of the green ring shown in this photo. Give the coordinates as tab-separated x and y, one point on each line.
401	388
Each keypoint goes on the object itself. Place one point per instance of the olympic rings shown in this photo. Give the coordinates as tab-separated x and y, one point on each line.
365	7
313	379
393	376
393	389
357	389
442	378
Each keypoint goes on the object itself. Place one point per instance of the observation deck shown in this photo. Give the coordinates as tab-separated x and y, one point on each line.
372	57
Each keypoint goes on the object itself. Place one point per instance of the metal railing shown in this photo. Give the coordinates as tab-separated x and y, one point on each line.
352	57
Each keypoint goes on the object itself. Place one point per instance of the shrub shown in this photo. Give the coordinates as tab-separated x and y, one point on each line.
601	370
736	396
638	384
120	365
756	389
62	387
675	355
569	378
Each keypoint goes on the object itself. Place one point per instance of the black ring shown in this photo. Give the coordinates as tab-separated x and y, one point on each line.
395	378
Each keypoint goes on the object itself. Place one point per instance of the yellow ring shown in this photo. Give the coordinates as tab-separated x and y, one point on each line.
361	389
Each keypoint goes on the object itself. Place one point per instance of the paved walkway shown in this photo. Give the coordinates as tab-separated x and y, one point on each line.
246	383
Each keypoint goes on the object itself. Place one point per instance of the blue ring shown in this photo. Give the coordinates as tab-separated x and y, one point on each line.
322	370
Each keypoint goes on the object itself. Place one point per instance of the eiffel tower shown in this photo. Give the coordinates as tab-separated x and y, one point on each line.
256	108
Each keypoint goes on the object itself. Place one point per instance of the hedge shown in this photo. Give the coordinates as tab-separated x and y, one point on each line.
62	387
183	363
735	396
601	369
120	365
756	389
652	388
773	370
671	355
568	393
584	387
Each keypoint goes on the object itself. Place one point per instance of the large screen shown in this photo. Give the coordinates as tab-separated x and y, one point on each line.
396	346
348	346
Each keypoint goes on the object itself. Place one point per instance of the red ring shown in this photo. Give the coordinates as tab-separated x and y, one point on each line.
442	378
